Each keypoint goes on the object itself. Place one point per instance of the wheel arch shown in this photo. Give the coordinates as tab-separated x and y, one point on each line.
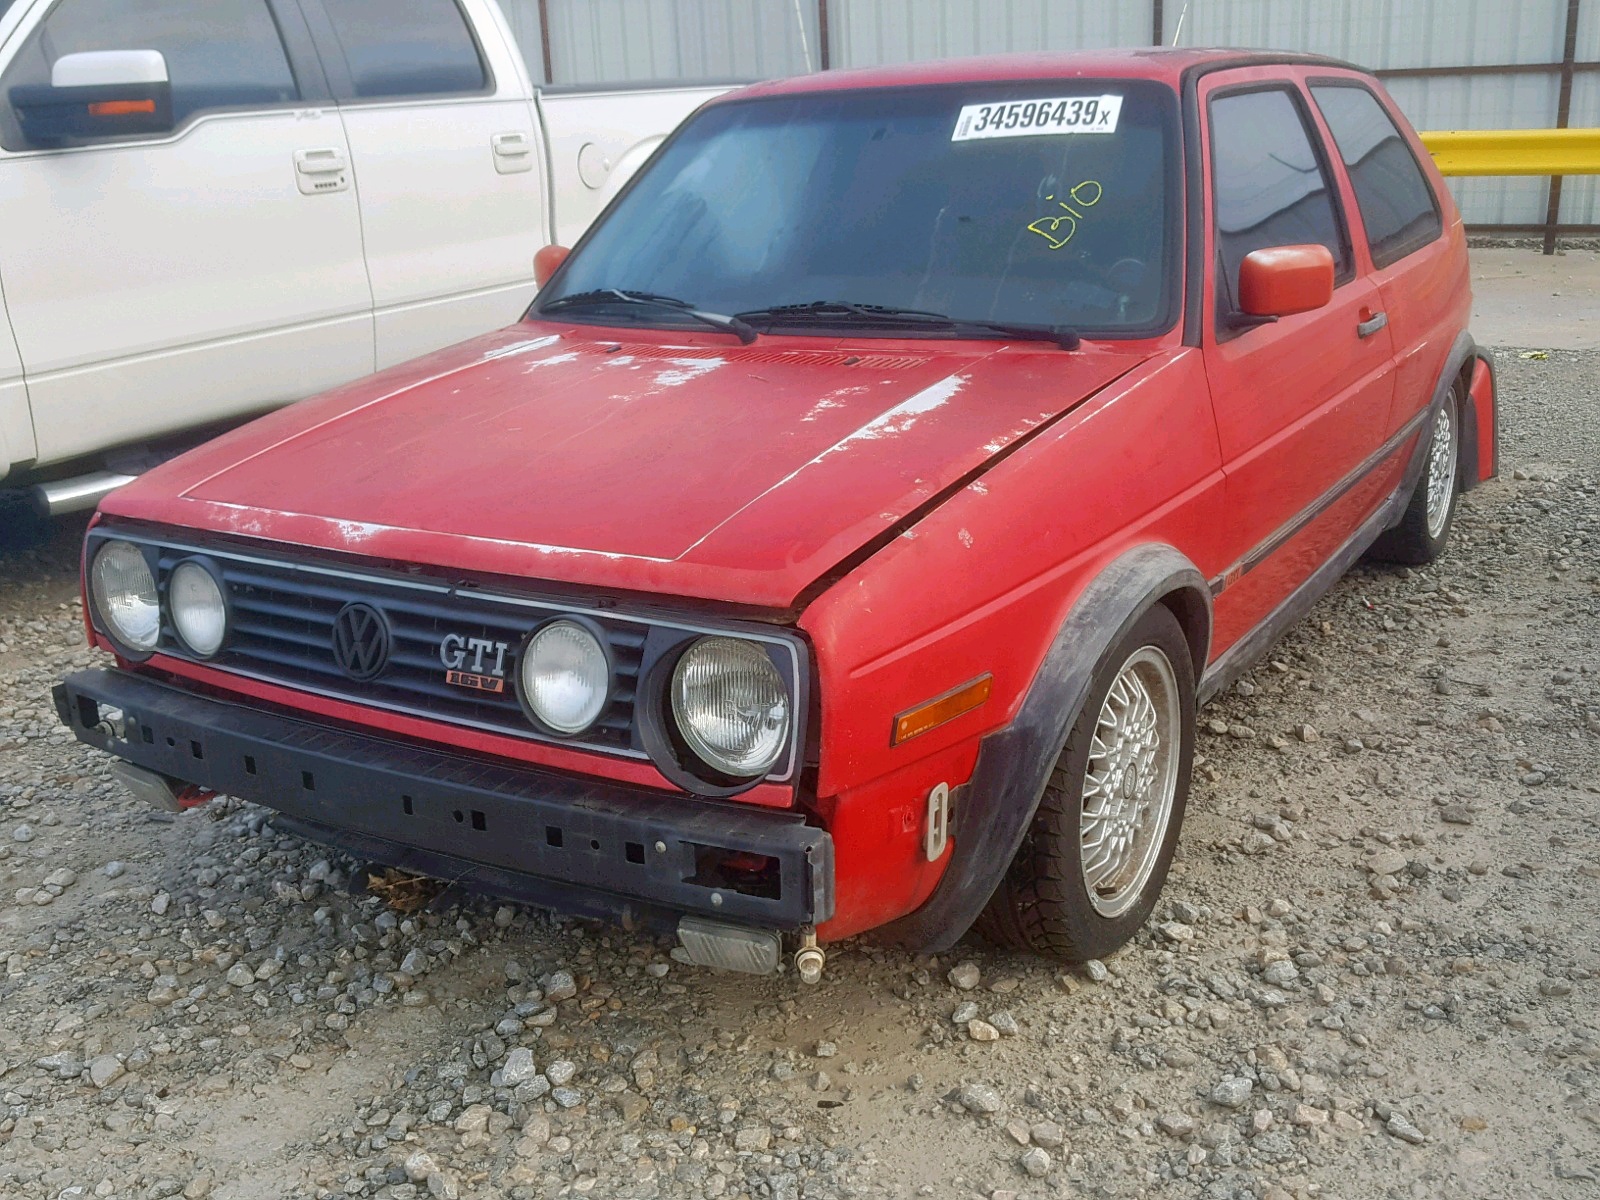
996	806
1458	364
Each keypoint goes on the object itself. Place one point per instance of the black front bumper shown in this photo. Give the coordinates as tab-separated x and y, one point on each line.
584	846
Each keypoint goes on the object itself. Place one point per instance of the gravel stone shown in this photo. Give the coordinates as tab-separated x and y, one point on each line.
1399	1127
979	1098
752	1138
1281	973
965	975
1386	862
519	1067
1047	1134
1176	1125
1035	1162
106	1070
1232	1093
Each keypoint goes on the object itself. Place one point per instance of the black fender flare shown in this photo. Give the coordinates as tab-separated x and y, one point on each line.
993	810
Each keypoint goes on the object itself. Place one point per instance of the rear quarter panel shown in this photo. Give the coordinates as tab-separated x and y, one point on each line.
980	586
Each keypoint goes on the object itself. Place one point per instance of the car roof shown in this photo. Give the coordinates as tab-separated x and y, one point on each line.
1154	63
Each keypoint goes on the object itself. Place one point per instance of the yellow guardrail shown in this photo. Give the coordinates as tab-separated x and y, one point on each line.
1515	151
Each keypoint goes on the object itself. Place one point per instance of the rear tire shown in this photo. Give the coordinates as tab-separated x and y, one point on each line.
1424	530
1094	860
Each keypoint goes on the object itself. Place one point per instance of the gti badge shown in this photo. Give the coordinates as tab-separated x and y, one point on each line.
476	663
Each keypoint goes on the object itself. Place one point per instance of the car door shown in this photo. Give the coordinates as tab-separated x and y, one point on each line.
1301	402
159	281
450	172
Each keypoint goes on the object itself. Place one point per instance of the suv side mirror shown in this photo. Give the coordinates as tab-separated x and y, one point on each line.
547	262
1283	280
97	94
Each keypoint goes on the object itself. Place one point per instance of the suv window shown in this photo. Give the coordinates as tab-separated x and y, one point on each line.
220	53
409	48
1397	205
1270	185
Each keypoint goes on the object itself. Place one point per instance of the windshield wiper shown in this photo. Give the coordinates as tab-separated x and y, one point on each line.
842	312
603	296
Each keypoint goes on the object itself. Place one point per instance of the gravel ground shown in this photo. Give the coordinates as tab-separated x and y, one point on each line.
1373	973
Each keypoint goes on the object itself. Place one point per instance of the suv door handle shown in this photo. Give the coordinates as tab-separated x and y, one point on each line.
513	152
329	161
1372	324
322	170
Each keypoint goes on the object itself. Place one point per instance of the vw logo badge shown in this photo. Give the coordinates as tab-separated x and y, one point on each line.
360	641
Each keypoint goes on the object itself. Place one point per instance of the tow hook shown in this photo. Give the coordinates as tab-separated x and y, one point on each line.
809	959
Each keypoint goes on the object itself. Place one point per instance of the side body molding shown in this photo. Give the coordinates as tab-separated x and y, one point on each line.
993	811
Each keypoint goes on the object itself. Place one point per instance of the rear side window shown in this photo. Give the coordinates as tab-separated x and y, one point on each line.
406	47
1398	207
1270	185
220	53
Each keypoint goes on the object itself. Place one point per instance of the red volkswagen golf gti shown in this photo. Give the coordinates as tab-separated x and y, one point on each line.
848	534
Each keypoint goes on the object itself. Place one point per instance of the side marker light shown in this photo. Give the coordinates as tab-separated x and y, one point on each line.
933	713
122	108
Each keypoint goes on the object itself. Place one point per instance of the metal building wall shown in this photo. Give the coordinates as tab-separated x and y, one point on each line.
1418	45
627	41
1425	36
868	32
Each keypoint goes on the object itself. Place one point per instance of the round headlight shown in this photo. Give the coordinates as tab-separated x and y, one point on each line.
566	677
124	593
199	613
731	706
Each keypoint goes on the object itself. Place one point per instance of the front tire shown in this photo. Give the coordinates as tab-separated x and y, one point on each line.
1094	860
1423	531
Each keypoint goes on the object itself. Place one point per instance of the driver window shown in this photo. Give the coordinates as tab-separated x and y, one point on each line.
220	53
1269	186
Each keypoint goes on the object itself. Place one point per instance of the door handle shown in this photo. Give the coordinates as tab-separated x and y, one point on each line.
1372	324
513	152
325	169
319	162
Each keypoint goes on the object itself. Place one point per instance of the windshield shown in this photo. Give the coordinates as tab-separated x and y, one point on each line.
1039	204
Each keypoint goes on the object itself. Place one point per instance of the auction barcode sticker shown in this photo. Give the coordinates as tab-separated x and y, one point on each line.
1032	118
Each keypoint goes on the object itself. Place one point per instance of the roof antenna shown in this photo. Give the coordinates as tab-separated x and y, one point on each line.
1177	31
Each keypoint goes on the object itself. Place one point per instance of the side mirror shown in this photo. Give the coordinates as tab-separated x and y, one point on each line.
1283	280
97	94
547	261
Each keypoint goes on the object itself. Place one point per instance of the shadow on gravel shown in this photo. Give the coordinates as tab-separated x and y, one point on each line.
35	549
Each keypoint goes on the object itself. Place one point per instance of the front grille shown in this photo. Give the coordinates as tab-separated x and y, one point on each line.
281	630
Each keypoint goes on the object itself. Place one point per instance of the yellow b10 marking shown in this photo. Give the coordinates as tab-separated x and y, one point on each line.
1049	228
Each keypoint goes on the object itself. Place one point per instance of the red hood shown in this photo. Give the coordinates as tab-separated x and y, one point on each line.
729	473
